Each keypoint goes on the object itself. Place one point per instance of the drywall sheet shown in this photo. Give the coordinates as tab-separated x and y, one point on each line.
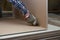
10	26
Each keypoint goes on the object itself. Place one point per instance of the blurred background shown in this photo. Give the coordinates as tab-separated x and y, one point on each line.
5	9
6	6
54	12
54	5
